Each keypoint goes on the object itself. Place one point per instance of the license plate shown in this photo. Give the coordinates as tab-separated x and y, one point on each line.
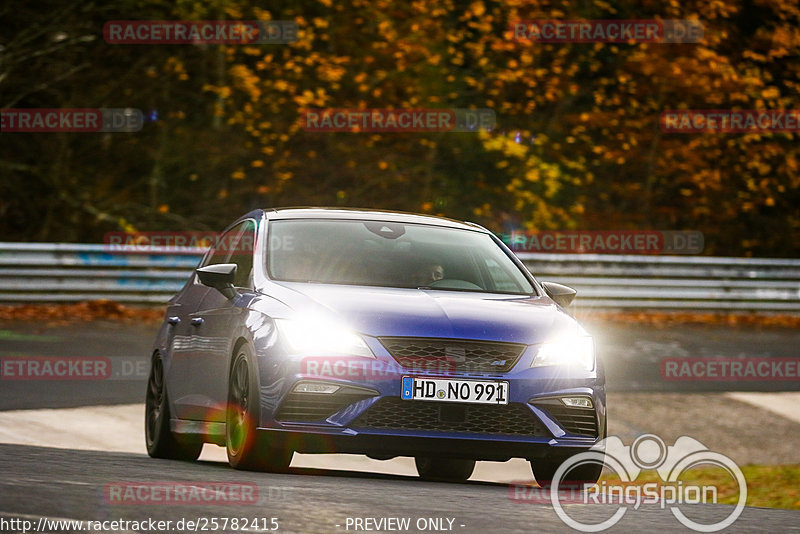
449	390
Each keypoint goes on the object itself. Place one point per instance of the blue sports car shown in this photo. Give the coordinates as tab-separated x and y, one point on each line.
388	334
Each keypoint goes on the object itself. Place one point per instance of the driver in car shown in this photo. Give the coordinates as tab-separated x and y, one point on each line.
429	273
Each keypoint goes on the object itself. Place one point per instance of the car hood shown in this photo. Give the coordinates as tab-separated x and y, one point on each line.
432	313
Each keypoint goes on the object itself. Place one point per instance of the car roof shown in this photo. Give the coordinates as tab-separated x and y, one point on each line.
366	214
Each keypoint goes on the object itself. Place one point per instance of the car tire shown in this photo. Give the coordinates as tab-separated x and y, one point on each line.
244	447
160	440
444	469
544	469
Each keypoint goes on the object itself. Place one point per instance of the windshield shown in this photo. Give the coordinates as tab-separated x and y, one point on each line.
389	254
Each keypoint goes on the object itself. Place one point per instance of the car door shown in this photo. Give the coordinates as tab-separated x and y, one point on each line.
217	322
179	314
188	375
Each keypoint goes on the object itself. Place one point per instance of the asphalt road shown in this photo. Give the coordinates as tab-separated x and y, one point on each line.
71	484
126	345
63	483
632	355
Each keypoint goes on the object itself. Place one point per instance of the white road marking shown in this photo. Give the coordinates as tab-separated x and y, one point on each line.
120	428
786	404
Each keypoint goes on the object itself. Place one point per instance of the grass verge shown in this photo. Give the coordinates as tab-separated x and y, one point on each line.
768	486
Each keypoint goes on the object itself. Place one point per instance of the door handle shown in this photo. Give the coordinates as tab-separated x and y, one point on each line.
197	321
173	320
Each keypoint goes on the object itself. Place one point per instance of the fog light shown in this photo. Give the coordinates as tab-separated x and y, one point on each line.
577	402
313	387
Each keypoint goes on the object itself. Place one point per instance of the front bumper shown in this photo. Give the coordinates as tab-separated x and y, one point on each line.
388	445
385	426
360	422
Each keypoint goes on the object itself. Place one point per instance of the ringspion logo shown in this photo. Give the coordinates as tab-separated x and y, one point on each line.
647	453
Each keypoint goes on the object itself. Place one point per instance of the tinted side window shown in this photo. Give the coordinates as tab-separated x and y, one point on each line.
242	254
221	250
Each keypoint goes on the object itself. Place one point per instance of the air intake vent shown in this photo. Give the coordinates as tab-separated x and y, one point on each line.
455	355
578	421
306	407
396	414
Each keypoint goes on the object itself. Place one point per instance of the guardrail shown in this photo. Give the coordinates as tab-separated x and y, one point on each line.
673	282
61	272
47	272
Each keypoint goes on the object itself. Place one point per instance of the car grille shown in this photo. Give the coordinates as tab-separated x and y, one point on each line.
579	421
317	406
454	355
395	414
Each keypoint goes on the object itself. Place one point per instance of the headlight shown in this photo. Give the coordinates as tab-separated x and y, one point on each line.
318	337
575	351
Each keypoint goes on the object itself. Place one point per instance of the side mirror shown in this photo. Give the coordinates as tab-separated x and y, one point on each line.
563	295
220	277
